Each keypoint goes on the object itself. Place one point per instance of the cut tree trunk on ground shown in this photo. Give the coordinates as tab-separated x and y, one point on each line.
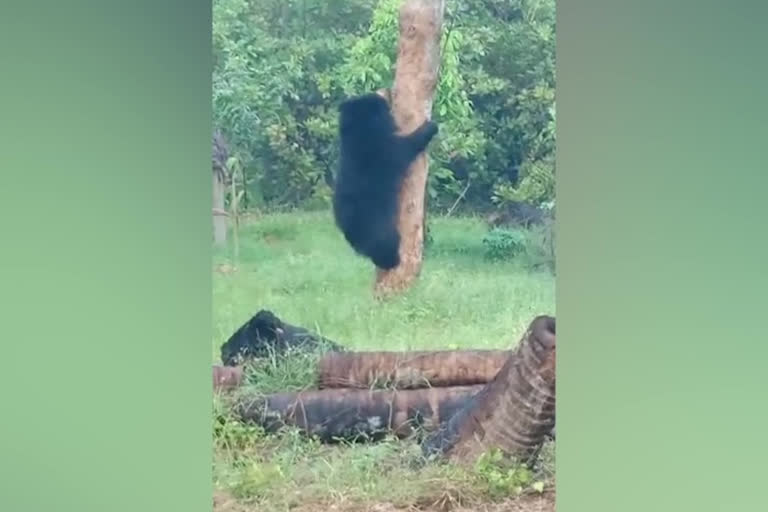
227	377
515	412
265	335
416	74
407	370
353	414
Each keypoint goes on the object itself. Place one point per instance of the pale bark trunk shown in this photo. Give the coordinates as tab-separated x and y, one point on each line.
219	213
416	75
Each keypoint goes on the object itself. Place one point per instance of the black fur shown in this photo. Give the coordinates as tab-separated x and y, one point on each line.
265	334
374	160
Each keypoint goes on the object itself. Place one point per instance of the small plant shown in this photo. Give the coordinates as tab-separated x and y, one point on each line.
255	479
501	477
429	238
231	435
502	244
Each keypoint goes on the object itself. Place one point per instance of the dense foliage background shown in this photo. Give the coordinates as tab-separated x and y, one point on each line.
281	67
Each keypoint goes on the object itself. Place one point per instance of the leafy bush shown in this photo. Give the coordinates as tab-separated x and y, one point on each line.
502	477
502	244
281	67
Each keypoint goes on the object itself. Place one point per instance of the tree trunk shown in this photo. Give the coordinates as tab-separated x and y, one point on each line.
515	412
354	414
416	75
403	370
219	156
227	377
219	213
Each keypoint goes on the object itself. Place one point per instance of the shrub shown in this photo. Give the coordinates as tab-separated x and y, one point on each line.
503	244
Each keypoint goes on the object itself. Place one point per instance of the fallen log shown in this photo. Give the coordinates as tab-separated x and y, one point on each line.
227	377
515	412
265	334
354	414
408	370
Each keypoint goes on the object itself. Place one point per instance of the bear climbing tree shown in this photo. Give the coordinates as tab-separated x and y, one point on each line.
416	74
373	161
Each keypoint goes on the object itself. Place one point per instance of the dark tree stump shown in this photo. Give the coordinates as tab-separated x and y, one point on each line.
353	414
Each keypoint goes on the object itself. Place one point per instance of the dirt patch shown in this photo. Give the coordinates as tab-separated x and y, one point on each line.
530	503
222	502
225	268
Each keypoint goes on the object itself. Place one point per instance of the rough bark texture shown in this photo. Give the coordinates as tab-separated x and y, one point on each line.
227	377
416	74
354	414
515	412
405	370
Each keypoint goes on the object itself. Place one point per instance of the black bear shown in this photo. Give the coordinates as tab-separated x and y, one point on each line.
265	334
373	163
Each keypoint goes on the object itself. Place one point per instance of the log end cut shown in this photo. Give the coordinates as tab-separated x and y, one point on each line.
515	412
227	377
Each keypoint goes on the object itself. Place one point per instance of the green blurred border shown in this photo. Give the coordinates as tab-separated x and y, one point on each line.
106	122
661	256
106	260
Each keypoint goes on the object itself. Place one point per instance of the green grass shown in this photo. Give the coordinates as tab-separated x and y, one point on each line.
298	266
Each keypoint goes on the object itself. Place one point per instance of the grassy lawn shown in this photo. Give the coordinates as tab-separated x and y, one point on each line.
298	266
